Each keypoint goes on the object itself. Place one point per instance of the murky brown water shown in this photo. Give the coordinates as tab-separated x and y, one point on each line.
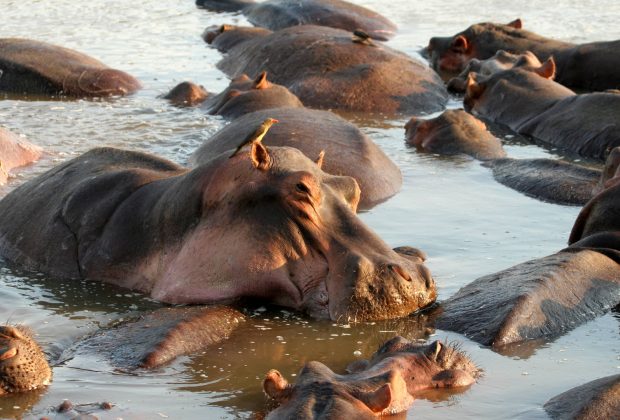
450	207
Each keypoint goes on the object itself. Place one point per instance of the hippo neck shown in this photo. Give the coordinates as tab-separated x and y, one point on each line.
606	243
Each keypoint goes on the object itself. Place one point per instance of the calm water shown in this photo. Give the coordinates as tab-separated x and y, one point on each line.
450	207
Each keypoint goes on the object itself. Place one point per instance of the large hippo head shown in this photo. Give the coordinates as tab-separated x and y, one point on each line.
264	224
23	366
275	226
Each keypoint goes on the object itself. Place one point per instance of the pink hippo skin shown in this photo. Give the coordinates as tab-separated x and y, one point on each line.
34	67
15	152
331	68
266	224
529	102
385	384
450	55
280	14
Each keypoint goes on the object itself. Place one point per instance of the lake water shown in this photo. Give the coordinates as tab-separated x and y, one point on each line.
450	207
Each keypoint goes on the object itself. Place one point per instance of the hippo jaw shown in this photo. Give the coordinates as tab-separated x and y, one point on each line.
23	366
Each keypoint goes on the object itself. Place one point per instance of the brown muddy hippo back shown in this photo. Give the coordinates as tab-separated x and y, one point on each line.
34	67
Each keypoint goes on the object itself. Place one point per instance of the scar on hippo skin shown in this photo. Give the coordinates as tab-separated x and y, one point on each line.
159	337
595	400
34	67
23	365
453	132
385	384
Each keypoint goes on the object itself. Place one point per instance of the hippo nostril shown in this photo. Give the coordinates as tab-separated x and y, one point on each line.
426	275
400	271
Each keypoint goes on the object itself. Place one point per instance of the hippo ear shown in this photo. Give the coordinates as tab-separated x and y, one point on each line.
260	156
474	89
460	43
433	350
7	354
319	159
275	386
379	399
261	81
547	69
11	332
517	23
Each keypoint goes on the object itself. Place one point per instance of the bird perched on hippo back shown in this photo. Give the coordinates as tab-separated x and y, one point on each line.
34	67
280	14
325	68
257	135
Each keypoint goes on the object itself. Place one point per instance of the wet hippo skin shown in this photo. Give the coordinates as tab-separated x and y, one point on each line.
267	216
598	399
280	14
575	62
34	67
14	153
325	68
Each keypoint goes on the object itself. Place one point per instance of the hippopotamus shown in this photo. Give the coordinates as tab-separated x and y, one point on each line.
241	97
453	132
330	68
23	366
386	384
280	14
611	171
266	224
545	297
347	151
531	103
14	153
37	68
575	62
598	399
502	60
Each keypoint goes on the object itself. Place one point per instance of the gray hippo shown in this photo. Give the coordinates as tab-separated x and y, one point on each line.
451	133
598	399
529	102
347	151
545	297
14	153
266	224
23	366
575	62
242	96
38	68
386	384
280	14
328	68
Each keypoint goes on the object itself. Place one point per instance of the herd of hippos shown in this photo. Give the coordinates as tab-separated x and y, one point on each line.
276	221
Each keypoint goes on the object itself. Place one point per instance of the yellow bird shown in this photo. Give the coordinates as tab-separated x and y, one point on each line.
256	135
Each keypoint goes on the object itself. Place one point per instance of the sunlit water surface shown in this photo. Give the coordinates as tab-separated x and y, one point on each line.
468	224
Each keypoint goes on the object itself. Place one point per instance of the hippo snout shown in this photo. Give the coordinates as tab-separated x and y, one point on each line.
381	290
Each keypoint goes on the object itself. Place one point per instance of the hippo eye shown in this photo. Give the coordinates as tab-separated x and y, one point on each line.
301	187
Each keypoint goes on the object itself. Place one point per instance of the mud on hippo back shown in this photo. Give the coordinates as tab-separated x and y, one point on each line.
267	224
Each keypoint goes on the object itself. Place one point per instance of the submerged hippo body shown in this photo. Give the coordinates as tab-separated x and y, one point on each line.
454	132
576	63
23	366
347	150
598	399
385	384
34	67
280	14
325	68
15	152
530	103
267	224
543	298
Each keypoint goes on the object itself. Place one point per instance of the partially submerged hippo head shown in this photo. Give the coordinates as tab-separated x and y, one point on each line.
502	60
23	366
276	227
245	95
611	173
187	94
386	384
451	54
453	132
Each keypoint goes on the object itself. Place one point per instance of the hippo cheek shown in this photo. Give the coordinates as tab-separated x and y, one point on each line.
362	290
452	378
